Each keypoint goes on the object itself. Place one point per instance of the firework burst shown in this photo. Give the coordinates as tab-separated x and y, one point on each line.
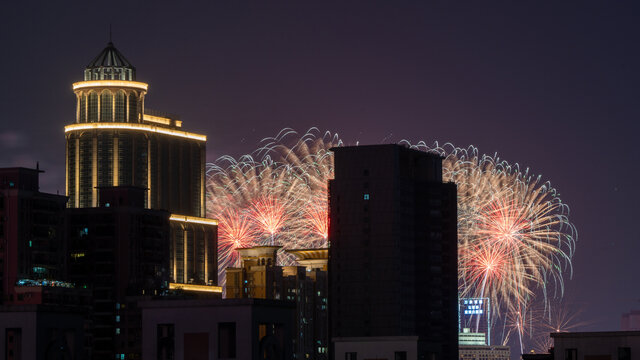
279	191
515	239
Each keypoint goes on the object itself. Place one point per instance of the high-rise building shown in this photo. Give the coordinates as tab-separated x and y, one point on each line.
260	277
31	234
393	255
119	252
116	141
136	218
41	315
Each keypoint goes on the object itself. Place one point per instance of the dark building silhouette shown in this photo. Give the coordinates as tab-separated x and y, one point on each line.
119	251
31	234
393	255
42	316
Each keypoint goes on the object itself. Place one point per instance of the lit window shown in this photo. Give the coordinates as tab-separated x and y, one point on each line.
117	331
366	196
117	318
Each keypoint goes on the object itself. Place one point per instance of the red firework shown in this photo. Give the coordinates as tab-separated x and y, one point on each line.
235	231
317	220
269	214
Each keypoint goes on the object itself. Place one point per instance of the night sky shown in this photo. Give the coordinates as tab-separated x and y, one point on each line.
553	87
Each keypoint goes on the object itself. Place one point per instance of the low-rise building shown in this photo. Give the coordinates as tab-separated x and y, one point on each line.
601	345
34	332
204	329
484	352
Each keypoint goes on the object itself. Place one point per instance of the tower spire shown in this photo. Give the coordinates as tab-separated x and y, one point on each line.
110	33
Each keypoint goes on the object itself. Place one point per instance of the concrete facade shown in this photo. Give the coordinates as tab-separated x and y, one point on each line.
217	329
611	345
41	332
376	347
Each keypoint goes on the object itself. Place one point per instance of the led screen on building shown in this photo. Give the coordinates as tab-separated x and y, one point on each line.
474	317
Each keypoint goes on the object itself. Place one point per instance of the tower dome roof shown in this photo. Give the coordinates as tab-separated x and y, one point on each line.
110	64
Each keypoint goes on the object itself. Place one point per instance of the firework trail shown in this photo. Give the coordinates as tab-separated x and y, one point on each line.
280	192
515	239
269	214
237	231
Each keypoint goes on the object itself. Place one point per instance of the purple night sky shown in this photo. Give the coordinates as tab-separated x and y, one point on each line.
551	86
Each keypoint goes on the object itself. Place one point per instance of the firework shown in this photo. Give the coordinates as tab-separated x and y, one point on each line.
237	232
279	191
515	237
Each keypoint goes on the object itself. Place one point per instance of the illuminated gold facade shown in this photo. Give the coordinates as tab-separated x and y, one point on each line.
260	277
116	141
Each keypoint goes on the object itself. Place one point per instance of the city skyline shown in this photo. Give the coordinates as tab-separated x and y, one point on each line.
552	99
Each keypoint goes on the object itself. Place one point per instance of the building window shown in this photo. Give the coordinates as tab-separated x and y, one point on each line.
93	107
83	109
133	107
571	354
351	356
400	355
106	107
120	112
13	343
366	196
624	353
227	340
165	341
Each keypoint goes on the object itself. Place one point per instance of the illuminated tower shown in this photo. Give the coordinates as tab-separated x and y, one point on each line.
116	141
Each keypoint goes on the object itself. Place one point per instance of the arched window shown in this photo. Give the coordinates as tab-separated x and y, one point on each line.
93	107
120	106
133	107
106	106
82	117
